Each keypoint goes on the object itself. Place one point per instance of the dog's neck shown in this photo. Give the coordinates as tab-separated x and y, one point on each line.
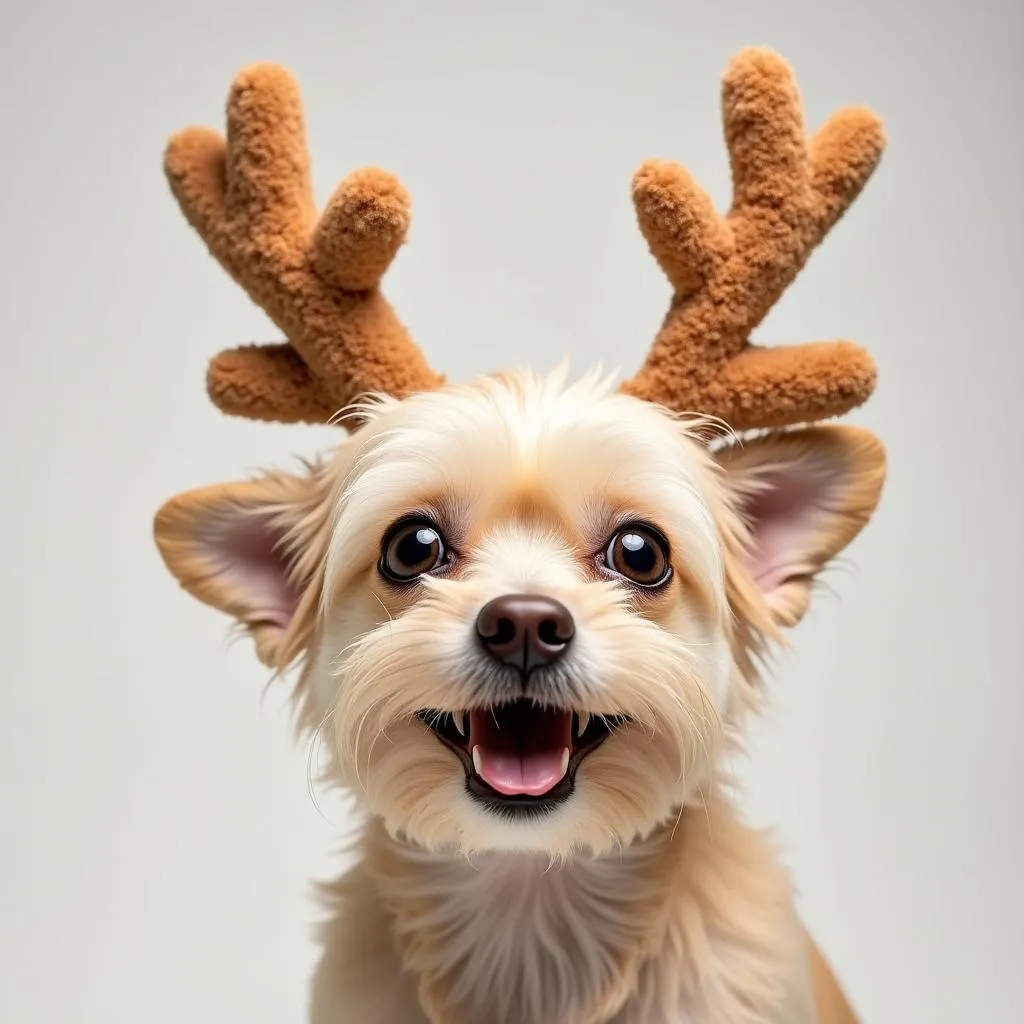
690	923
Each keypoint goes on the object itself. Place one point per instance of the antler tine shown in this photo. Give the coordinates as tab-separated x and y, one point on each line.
250	199
249	196
361	230
727	272
843	155
268	382
268	179
684	233
764	133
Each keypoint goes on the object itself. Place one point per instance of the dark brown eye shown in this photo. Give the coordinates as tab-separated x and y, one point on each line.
411	549
640	555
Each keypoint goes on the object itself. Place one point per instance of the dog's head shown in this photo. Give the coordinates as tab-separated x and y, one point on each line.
529	614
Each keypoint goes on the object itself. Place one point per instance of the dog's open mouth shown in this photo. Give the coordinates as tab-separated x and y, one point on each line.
520	755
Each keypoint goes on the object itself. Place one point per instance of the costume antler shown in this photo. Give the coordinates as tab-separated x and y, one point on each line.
727	272
250	199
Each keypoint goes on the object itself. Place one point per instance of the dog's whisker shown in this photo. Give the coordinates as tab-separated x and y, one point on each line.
387	612
314	747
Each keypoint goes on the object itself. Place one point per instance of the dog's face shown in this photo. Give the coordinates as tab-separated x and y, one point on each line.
529	613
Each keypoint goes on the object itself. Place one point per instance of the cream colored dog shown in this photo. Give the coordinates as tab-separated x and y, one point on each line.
529	616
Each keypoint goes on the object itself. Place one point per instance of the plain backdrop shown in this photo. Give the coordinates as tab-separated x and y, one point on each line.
159	839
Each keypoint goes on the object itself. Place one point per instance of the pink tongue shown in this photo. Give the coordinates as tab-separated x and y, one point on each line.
531	774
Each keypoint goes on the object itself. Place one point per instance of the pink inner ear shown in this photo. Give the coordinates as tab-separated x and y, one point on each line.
782	519
249	550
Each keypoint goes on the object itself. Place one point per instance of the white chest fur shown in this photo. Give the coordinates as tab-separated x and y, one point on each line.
692	926
516	939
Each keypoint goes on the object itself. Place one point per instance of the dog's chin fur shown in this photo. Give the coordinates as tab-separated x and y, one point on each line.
527	478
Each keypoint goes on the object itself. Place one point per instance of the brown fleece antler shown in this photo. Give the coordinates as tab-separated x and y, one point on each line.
727	272
250	199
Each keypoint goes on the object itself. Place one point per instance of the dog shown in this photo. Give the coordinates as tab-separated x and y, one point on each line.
531	616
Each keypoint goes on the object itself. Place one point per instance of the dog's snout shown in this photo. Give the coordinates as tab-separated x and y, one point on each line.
525	630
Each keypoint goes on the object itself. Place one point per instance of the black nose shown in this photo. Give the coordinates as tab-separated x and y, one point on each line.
525	630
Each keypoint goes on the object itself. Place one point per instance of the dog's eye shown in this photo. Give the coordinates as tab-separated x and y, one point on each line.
411	549
639	554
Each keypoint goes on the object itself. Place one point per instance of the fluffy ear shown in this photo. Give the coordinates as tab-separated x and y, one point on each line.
247	549
804	496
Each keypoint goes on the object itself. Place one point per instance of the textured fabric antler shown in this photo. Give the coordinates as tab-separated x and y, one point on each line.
728	271
250	198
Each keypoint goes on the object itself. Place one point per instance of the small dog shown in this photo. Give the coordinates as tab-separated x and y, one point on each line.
530	615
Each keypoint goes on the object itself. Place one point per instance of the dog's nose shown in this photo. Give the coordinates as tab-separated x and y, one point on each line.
525	630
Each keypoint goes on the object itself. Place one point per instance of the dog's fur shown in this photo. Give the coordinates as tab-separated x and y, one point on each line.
642	897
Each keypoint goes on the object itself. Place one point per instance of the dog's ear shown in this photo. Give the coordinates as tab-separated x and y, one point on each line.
804	495
247	550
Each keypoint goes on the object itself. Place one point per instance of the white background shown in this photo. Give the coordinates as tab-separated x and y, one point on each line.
158	836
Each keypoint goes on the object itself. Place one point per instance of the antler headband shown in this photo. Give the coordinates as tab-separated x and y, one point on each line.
318	278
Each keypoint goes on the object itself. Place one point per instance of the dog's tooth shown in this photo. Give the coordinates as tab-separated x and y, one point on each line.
584	721
565	760
476	759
